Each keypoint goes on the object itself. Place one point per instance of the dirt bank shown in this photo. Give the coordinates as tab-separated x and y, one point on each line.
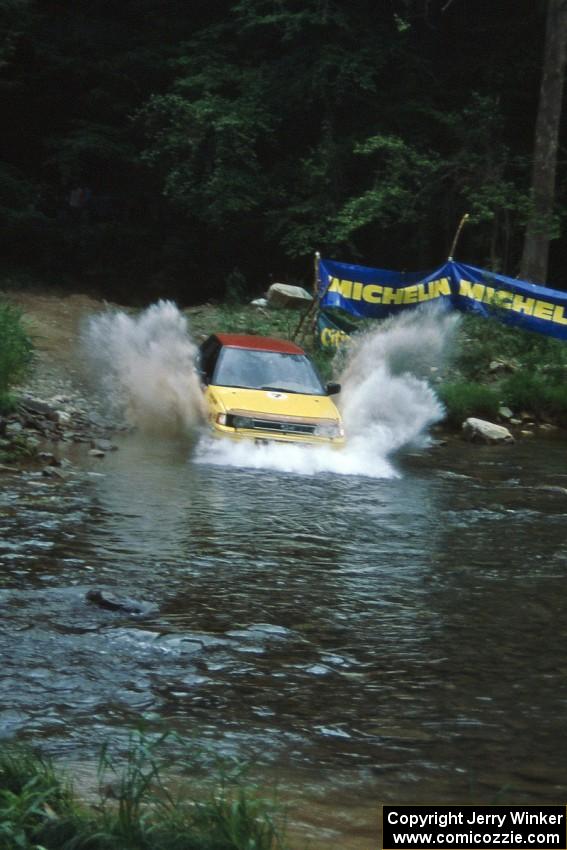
58	400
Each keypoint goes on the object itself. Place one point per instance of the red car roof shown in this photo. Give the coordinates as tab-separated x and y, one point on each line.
263	343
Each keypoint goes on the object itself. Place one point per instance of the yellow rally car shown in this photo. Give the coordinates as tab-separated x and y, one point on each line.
267	389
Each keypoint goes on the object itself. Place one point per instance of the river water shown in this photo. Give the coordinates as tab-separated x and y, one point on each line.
362	639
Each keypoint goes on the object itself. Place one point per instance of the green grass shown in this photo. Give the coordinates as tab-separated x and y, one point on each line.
464	399
536	394
149	804
16	353
240	318
482	341
531	378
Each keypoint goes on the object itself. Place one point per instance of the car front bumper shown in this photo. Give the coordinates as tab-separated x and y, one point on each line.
260	437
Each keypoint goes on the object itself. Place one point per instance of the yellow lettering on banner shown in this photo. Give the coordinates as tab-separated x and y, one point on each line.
471	290
441	287
559	316
332	338
544	310
410	294
393	296
523	305
505	300
372	293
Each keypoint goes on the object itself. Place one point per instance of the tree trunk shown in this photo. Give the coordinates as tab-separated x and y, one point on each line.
539	228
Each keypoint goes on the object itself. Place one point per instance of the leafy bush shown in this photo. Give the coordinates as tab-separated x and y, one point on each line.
464	399
15	351
537	394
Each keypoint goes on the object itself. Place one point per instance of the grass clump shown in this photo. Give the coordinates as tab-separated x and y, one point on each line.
537	394
464	399
35	804
496	364
246	319
485	340
16	352
148	805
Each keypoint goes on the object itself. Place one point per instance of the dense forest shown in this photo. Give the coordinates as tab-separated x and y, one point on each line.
202	148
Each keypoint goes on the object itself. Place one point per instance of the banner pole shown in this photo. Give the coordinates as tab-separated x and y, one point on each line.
315	303
456	239
316	278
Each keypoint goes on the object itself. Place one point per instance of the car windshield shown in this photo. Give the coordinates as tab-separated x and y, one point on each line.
267	370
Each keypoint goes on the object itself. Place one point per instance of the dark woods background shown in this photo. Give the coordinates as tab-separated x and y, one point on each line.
194	148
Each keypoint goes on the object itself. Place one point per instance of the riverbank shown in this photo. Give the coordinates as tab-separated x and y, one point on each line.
55	404
509	377
145	802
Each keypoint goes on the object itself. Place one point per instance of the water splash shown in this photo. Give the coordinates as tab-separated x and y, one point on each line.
387	396
387	402
146	367
147	364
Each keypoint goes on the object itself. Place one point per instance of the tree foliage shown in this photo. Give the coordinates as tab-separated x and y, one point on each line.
249	133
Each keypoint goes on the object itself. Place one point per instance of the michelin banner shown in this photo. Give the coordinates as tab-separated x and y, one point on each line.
376	293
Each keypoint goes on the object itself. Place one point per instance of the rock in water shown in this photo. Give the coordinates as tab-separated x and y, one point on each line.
111	602
104	445
481	431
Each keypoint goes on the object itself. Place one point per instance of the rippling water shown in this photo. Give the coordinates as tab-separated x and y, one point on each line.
366	639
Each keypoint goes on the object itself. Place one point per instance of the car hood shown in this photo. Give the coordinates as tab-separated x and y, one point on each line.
272	403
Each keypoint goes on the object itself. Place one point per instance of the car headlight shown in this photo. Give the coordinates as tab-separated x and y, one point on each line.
221	418
329	429
242	422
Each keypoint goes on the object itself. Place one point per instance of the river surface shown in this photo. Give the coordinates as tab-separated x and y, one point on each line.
364	640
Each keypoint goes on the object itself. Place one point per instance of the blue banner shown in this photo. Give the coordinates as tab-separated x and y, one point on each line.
377	293
331	331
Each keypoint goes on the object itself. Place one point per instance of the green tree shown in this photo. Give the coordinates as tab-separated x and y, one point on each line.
542	224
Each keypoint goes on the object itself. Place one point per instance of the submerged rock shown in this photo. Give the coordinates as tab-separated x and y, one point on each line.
481	431
112	602
48	458
104	445
552	488
54	472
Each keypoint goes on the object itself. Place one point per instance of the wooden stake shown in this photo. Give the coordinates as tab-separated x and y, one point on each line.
316	298
456	239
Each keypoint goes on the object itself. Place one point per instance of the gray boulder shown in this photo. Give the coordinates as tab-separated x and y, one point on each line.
481	431
285	295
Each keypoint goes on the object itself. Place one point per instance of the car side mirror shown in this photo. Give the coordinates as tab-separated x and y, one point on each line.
333	388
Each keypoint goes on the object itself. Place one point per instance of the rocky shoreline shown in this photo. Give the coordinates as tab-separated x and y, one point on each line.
32	433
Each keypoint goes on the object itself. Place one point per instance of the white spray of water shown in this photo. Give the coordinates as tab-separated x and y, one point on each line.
386	393
146	366
386	402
